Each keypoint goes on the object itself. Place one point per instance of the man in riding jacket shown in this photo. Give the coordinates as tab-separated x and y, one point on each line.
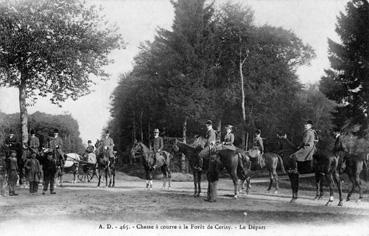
108	144
307	147
210	143
156	145
56	145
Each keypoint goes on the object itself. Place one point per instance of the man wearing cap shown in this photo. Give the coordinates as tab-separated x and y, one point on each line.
90	149
209	145
108	144
56	145
34	143
304	153
156	145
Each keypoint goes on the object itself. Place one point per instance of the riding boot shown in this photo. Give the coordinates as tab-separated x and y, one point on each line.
297	185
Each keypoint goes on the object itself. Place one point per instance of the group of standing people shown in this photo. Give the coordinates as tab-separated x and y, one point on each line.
27	161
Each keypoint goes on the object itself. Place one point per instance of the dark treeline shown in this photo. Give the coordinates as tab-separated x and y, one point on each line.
194	71
44	124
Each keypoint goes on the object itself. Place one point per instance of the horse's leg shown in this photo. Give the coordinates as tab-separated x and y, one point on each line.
194	183
164	176
358	184
317	185
235	183
270	181
248	184
198	183
169	178
352	179
98	183
276	179
114	177
336	179
330	184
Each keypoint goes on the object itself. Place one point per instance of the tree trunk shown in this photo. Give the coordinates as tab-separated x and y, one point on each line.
148	131
141	129
183	158
243	105
23	113
134	127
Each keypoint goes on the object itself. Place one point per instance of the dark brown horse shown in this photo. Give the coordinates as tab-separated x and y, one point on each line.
148	162
324	167
191	153
271	161
225	158
354	161
104	165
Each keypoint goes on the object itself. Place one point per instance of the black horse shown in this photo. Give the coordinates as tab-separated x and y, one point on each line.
324	166
191	153
148	162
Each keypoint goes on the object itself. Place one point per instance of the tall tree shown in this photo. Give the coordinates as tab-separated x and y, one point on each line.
52	48
347	81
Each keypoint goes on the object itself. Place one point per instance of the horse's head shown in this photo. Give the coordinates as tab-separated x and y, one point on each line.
199	142
175	146
137	148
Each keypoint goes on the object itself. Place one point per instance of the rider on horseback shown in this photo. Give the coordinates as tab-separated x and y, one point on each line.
156	145
90	149
258	148
210	143
229	138
306	149
108	144
56	146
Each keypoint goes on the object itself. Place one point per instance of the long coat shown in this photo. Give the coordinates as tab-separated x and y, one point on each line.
307	147
107	143
34	170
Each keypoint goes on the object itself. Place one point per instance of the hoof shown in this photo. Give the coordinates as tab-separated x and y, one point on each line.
340	203
275	192
316	197
347	199
293	200
358	200
235	196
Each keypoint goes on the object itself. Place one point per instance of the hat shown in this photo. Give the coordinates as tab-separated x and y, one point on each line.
89	141
209	122
56	131
32	131
310	122
229	127
11	131
107	131
156	130
13	151
49	153
258	131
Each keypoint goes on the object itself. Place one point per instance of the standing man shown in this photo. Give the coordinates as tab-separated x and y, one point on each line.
209	145
3	174
56	146
34	173
156	145
11	143
12	173
304	153
34	143
49	168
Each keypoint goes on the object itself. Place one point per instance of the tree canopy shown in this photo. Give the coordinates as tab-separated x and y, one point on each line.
346	81
53	48
190	74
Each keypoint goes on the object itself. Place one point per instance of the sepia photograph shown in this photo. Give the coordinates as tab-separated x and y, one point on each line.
184	117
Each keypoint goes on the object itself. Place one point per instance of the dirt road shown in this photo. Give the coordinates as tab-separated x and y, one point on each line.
82	206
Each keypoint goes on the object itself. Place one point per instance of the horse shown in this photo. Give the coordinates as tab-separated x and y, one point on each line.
271	161
192	154
104	164
225	158
354	161
148	162
325	166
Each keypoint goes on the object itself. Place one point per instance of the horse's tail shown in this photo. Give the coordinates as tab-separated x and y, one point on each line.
282	164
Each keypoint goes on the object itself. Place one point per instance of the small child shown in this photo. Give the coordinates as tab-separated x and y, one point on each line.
2	175
12	173
34	173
